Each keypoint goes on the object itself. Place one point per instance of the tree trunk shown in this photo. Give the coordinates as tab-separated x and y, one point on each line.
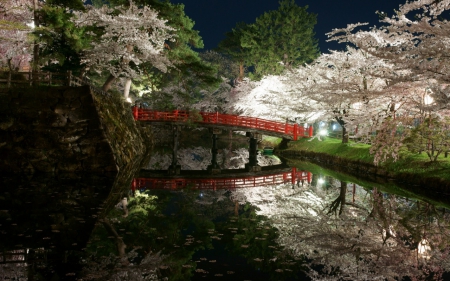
125	207
340	201
126	91
241	71
119	242
108	83
344	135
344	131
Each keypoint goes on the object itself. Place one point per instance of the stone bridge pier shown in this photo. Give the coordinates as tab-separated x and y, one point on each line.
174	168
252	165
214	167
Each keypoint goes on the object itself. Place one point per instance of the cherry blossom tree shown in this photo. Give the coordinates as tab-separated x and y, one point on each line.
129	36
347	86
14	31
414	39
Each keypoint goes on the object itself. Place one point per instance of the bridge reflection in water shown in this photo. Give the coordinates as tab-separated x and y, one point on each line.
228	179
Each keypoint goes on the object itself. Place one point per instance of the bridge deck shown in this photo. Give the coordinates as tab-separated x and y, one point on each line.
225	121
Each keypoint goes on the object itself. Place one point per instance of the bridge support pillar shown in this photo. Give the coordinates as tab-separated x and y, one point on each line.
252	165
284	143
174	168
214	168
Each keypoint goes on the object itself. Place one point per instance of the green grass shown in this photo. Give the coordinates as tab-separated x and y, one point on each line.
413	163
271	141
351	151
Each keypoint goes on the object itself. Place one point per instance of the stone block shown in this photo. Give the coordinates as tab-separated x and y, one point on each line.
6	122
59	120
250	168
44	166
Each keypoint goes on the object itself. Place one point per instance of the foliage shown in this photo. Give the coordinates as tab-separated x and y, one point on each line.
194	117
61	41
387	143
226	68
15	44
394	71
70	4
189	74
281	39
48	24
123	39
232	47
431	136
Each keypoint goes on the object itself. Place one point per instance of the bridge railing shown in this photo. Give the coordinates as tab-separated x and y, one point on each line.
294	130
221	183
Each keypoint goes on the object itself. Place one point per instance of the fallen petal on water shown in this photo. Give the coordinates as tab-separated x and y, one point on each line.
278	270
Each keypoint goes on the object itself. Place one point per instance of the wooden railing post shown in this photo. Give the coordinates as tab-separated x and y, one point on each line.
310	131
295	131
135	113
293	175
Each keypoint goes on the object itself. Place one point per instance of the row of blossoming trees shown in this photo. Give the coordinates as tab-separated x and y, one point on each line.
114	45
389	79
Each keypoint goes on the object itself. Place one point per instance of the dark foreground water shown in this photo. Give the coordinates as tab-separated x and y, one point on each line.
319	228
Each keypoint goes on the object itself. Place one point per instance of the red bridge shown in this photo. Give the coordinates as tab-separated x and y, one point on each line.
290	131
214	183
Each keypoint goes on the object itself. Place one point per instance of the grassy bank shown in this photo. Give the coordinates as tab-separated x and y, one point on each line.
410	163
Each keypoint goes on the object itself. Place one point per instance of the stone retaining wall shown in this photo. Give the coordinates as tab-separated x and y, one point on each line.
66	129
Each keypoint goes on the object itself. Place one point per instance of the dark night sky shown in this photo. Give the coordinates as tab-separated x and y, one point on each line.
215	17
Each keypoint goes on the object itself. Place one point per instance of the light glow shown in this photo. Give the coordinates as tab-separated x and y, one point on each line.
357	105
427	100
423	248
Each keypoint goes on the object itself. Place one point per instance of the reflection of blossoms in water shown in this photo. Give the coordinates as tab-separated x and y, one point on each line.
17	268
377	236
198	158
